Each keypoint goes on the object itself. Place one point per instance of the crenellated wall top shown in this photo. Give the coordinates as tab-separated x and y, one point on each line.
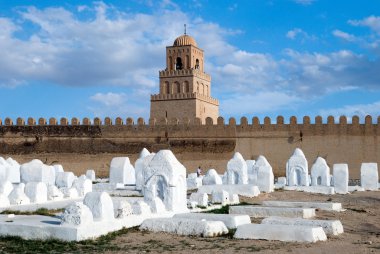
340	122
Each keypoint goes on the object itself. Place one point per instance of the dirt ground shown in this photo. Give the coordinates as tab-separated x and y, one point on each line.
361	222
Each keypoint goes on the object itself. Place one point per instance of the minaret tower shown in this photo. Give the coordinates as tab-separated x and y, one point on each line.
185	89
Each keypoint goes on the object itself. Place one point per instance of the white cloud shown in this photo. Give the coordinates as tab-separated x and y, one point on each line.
360	110
373	22
109	99
304	2
297	32
343	35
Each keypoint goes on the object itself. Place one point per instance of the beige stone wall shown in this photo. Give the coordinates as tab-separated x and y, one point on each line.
173	108
205	109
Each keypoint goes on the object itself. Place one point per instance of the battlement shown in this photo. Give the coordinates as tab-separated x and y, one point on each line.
330	126
183	96
184	72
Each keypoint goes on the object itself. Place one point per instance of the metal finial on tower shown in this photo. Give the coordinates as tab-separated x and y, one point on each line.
185	27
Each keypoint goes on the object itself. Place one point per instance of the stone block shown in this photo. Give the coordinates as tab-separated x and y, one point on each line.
187	227
246	190
77	214
100	204
36	192
283	233
266	211
331	227
122	171
341	176
369	176
65	179
231	221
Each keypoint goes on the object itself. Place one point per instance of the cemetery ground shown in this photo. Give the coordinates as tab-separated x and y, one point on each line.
361	222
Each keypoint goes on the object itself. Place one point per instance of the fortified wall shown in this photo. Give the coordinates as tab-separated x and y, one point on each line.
80	145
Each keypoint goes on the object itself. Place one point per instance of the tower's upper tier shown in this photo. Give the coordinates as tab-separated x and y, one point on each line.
184	40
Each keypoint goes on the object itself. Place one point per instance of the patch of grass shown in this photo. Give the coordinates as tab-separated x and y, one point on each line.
225	209
39	211
12	244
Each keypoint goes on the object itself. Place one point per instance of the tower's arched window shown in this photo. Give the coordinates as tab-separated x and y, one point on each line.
203	89
170	63
207	92
178	64
167	88
177	87
187	62
197	64
187	87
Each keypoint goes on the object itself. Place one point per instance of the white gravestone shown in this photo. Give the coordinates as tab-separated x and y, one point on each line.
17	196
122	171
144	158
36	192
100	204
237	170
341	176
252	175
297	169
265	177
65	179
165	178
211	177
77	214
369	176
36	171
320	173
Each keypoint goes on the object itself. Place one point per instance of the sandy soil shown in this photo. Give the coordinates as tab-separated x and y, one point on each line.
361	223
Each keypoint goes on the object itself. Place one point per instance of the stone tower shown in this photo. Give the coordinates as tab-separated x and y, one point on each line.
185	89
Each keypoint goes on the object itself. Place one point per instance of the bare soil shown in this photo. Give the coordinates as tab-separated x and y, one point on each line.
361	222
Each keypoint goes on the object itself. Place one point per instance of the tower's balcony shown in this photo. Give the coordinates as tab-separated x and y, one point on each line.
184	72
183	96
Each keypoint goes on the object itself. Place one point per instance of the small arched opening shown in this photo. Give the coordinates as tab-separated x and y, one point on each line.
197	64
177	87
167	88
178	64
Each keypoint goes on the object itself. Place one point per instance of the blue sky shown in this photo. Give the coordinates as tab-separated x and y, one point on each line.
266	58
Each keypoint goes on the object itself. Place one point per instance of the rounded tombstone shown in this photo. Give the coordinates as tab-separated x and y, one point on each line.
20	121
220	120
86	121
343	120
97	121
107	121
53	121
267	120
232	121
75	121
318	120
355	120
119	121
140	121
64	121
280	120
31	121
209	121
306	120
8	121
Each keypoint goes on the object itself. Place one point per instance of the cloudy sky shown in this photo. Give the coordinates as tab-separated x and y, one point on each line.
266	58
